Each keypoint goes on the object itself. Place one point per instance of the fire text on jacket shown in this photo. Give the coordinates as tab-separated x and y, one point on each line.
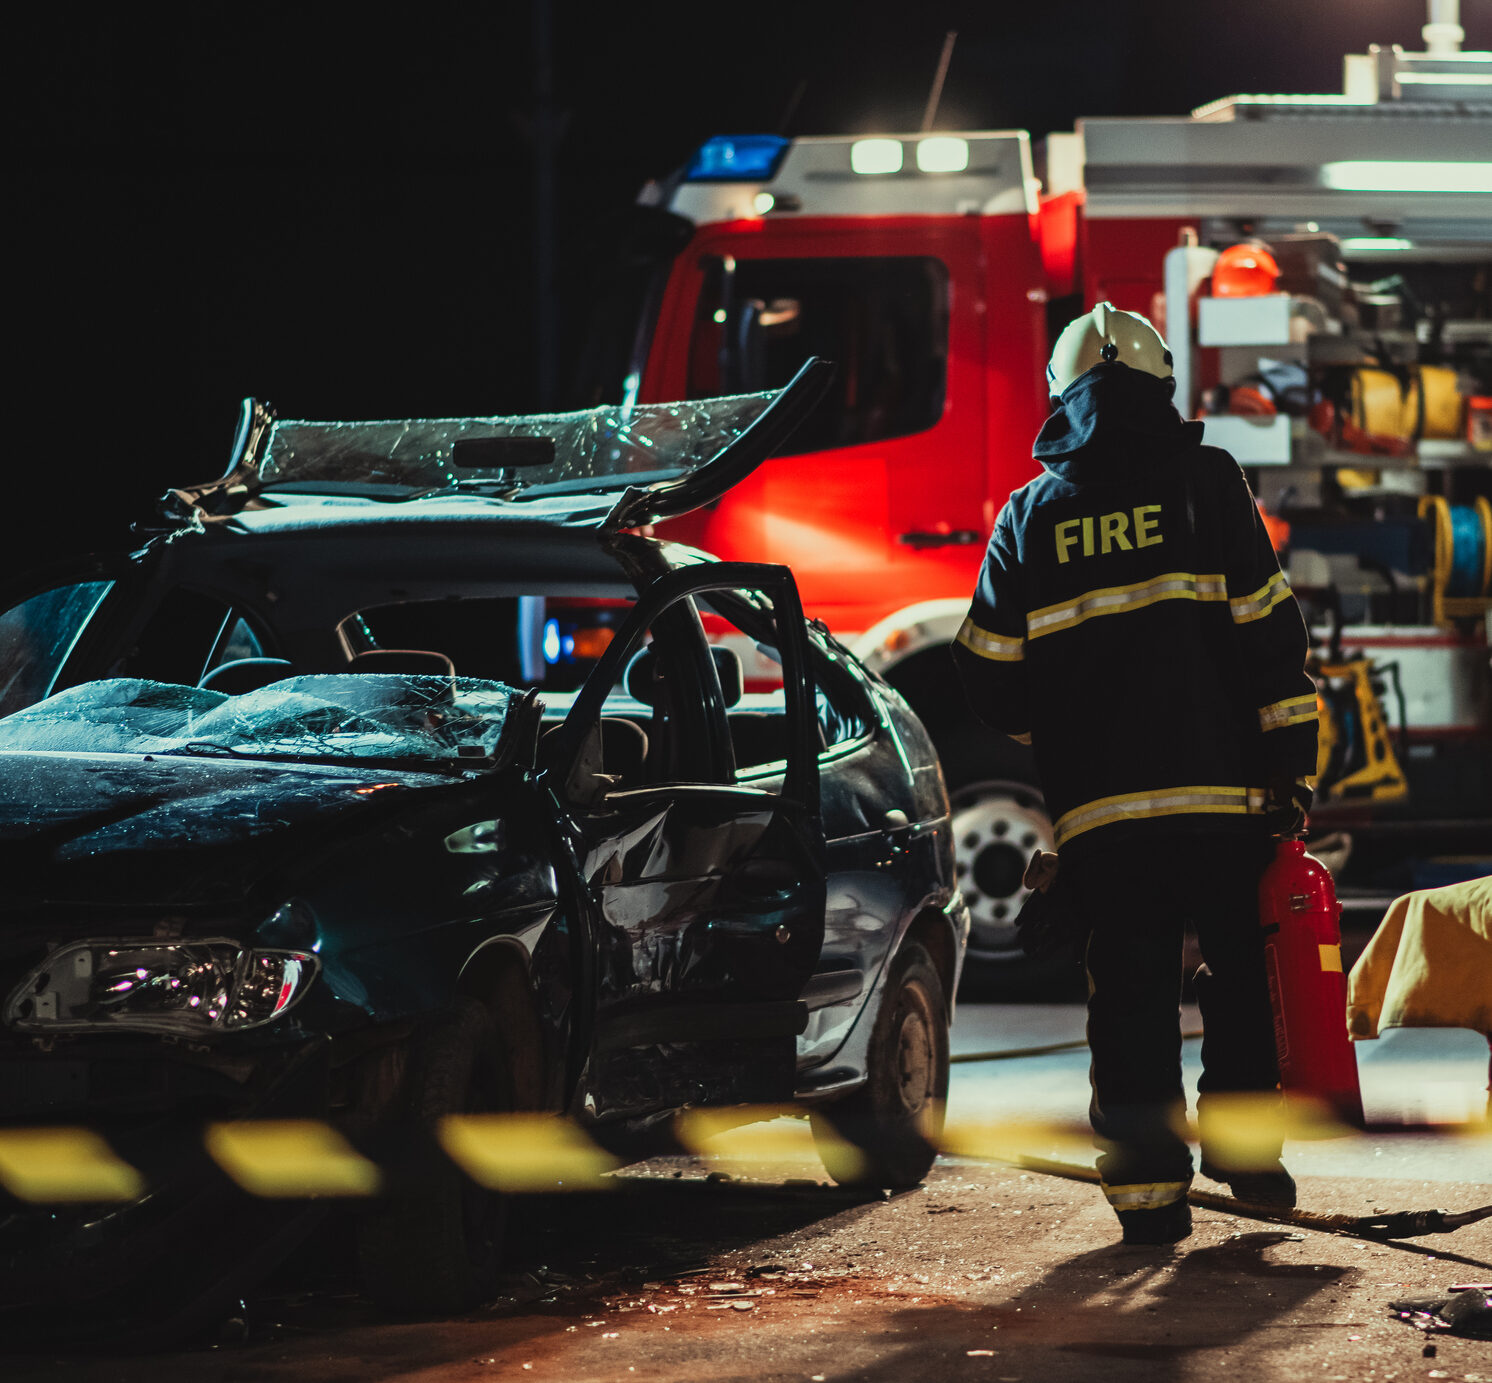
1109	531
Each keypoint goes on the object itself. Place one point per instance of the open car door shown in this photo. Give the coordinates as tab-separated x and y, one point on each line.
706	894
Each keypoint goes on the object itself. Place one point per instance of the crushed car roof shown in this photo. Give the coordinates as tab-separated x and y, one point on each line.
602	469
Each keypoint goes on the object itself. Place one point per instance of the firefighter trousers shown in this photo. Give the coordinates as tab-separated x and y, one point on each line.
1138	903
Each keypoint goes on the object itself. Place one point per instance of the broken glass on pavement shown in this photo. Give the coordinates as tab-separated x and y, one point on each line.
1460	1310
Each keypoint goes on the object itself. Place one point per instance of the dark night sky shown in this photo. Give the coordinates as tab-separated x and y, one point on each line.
331	207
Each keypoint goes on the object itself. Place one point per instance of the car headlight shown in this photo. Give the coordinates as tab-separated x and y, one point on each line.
191	988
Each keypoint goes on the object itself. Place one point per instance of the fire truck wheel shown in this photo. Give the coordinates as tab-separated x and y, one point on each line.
997	825
885	1134
434	1248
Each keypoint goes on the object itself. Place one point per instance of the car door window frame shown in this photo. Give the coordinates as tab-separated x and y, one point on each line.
800	781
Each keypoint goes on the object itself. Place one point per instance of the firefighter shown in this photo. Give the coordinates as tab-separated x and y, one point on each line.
1132	624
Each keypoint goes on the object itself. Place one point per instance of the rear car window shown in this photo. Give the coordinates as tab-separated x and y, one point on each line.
37	636
844	711
882	320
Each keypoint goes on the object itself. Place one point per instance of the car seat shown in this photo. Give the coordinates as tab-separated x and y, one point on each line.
403	662
245	675
624	749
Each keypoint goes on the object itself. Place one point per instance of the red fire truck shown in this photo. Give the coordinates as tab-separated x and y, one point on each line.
934	268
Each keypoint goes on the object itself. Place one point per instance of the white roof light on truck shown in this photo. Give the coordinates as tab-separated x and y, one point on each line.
873	156
1375	244
942	153
953	173
1406	176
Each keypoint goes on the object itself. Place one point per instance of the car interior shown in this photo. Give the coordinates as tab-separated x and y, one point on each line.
547	643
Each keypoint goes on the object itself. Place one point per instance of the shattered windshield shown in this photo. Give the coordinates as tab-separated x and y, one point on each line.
532	456
330	717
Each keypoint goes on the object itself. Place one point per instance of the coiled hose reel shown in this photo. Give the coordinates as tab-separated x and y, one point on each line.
1462	580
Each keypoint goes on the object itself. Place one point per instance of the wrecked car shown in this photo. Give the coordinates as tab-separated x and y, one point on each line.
402	774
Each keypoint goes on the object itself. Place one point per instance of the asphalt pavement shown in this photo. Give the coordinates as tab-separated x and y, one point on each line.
1417	1076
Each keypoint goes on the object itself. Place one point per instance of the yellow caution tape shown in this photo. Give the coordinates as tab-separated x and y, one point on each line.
291	1157
1245	1131
764	1138
765	1133
524	1152
527	1153
1005	1140
49	1165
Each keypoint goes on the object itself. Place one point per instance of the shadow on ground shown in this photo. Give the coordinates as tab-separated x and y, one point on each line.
562	1253
1098	1314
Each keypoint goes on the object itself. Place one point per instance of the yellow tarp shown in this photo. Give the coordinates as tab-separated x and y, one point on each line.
1429	964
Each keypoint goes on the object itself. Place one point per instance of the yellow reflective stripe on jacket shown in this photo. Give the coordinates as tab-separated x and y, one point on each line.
1134	806
1256	606
1118	600
1146	1195
997	647
1294	710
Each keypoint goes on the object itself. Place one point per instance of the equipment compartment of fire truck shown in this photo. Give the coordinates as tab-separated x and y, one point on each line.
1322	269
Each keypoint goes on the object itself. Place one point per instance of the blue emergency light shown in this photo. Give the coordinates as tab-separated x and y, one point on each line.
738	158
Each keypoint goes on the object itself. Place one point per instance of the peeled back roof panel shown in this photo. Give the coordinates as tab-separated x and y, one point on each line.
592	450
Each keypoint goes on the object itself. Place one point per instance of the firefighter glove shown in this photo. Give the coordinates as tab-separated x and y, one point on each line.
1286	802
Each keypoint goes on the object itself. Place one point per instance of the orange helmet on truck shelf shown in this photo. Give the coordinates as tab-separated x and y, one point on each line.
1244	271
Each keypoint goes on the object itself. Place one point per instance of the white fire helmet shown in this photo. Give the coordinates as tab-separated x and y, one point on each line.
1106	334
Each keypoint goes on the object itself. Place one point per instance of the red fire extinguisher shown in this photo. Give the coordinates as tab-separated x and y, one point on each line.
1299	912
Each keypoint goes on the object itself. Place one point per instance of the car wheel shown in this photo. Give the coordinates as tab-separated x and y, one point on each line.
885	1134
997	825
435	1248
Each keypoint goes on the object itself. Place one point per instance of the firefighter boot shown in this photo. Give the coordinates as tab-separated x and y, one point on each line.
1165	1225
1270	1186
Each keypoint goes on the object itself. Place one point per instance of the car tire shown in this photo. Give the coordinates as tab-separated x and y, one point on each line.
997	825
885	1134
435	1248
998	819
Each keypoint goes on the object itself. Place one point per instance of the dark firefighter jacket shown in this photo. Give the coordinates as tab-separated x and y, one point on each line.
1131	618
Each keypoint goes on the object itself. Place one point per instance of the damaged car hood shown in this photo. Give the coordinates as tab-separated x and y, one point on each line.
145	830
145	792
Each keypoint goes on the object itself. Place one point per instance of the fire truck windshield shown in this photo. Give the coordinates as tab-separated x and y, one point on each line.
882	320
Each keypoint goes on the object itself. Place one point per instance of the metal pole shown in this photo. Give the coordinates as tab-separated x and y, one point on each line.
791	109
936	94
1443	34
544	132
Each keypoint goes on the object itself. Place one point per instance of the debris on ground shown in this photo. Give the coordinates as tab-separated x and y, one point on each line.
1464	1309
